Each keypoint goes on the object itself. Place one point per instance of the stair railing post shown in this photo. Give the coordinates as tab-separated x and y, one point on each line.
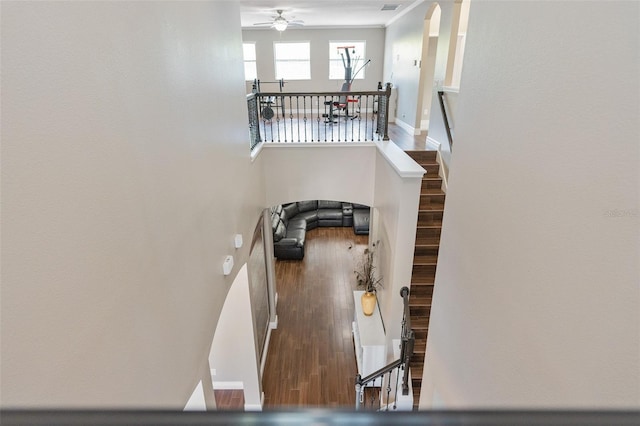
358	390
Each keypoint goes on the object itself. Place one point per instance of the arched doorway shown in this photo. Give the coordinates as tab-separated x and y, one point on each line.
457	43
428	64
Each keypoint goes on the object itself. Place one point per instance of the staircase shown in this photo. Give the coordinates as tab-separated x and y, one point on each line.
425	259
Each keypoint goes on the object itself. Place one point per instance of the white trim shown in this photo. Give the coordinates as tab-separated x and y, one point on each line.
404	12
433	143
450	89
408	128
272	326
255	407
404	165
256	151
442	171
228	385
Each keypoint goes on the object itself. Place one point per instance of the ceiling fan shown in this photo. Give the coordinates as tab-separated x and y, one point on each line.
280	23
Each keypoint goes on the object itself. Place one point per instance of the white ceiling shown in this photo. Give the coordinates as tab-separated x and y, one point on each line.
325	13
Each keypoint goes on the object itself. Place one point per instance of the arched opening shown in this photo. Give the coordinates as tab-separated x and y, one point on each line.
428	64
457	43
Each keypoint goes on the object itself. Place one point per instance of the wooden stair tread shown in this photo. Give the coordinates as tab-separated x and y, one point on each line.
430	222
432	191
430	208
425	260
427	241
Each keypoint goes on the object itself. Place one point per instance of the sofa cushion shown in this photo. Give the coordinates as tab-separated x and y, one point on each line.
310	216
305	206
280	232
332	214
324	204
359	206
290	210
361	221
297	223
298	234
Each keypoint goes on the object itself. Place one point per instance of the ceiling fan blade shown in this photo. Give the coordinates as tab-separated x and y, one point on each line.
296	22
263	23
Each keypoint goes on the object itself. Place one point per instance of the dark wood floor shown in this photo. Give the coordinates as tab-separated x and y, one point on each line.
311	360
229	399
405	140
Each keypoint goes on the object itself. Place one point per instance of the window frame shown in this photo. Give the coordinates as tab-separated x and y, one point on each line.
362	74
276	61
246	61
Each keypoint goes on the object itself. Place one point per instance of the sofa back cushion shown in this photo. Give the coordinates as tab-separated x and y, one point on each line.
279	232
360	206
275	219
325	204
290	210
305	206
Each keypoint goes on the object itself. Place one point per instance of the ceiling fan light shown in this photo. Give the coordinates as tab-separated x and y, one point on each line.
280	25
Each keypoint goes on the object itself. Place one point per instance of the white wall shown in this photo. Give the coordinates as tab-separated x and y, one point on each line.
536	298
319	39
121	124
403	46
319	171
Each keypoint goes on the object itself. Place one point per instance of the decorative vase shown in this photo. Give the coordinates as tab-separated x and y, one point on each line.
368	301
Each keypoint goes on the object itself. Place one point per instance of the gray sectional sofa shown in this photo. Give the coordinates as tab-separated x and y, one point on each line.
290	222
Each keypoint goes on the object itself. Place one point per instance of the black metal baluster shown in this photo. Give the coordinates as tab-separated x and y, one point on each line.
388	389
304	109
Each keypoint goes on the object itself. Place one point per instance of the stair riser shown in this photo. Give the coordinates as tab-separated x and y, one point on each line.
430	201
429	218
428	184
428	233
419	312
418	290
432	170
423	271
428	252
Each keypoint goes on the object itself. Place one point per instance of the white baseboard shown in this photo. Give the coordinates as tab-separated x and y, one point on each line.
265	351
255	407
228	385
407	128
443	171
424	125
432	143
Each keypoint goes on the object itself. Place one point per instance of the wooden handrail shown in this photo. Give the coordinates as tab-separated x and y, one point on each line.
445	118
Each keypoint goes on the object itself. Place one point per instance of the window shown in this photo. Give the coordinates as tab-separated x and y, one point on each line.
356	53
293	61
250	69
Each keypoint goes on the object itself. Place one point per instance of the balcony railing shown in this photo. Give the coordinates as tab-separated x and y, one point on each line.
385	401
281	117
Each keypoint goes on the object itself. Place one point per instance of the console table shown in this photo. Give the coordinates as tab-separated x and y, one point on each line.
368	340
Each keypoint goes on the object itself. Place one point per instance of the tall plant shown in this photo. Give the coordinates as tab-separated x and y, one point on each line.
366	272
